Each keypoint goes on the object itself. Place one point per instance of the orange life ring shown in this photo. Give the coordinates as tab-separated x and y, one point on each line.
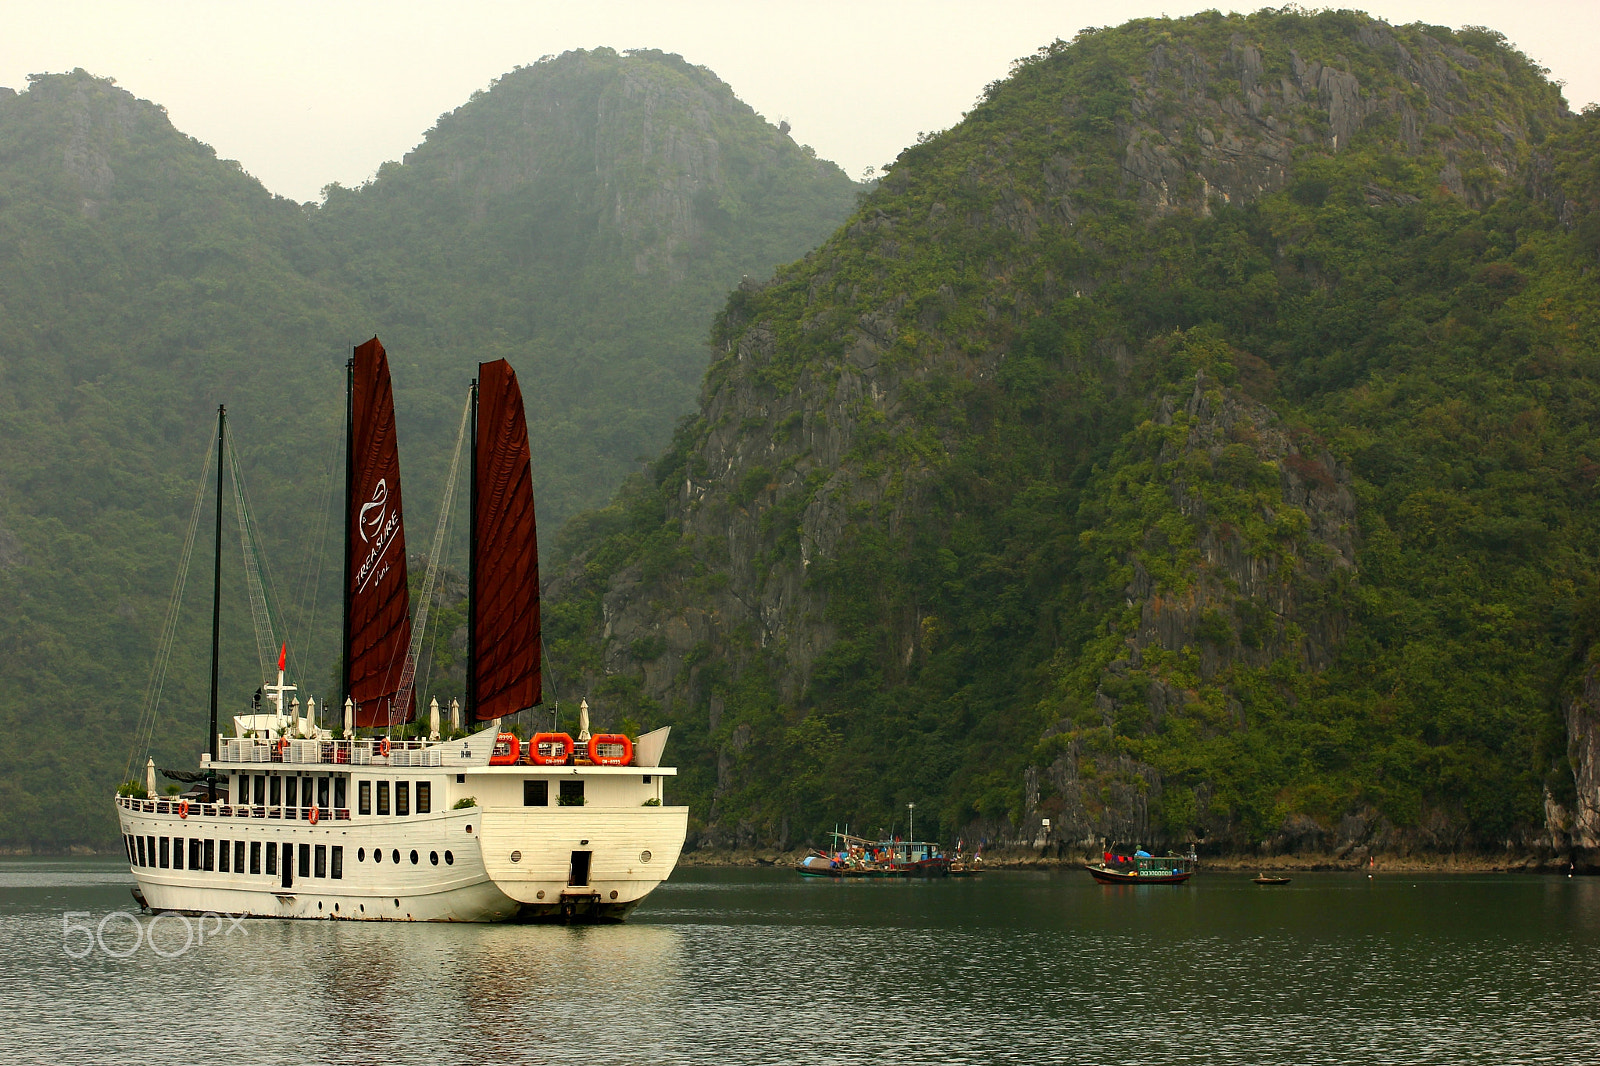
507	749
550	749
283	746
383	748
183	808
612	741
312	817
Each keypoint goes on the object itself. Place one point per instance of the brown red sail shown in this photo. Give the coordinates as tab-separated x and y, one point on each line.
377	604
505	564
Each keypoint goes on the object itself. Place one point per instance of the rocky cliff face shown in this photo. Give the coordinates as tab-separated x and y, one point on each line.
846	395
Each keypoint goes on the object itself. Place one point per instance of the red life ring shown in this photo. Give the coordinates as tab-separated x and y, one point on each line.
613	757
183	808
383	748
312	817
507	749
550	749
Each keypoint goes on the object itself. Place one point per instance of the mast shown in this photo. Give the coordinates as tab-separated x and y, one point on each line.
472	568
216	579
349	481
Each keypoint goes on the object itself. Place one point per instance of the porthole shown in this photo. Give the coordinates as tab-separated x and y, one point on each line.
449	859
319	904
413	858
433	857
469	828
397	903
361	855
396	856
377	855
644	856
540	895
516	856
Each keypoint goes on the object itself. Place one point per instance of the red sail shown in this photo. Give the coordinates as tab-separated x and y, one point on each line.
505	592
376	598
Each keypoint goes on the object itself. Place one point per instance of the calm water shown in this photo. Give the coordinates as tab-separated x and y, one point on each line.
743	966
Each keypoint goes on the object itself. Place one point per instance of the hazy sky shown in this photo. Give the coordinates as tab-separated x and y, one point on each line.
306	93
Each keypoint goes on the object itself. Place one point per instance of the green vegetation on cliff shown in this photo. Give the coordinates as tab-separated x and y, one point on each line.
1195	442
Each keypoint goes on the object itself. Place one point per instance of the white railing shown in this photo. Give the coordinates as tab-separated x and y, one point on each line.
227	810
298	752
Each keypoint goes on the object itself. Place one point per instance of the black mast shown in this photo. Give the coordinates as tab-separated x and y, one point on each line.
216	579
471	718
349	483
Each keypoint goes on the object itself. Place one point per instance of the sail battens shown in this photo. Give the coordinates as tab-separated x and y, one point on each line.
505	594
376	597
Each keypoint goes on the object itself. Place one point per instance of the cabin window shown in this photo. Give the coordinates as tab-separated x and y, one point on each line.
150	851
177	853
402	797
424	797
255	856
321	868
340	788
141	852
291	792
536	793
287	880
364	797
222	857
210	860
572	795
322	792
165	843
383	797
194	853
272	858
305	860
276	797
261	790
238	856
337	865
127	847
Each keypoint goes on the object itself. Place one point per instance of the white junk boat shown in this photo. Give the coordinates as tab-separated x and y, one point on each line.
380	828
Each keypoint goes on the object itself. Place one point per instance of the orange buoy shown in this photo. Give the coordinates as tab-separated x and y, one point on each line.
610	749
283	746
550	749
183	808
383	748
312	817
507	749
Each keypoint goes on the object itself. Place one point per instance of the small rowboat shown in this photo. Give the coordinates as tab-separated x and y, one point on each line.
1263	879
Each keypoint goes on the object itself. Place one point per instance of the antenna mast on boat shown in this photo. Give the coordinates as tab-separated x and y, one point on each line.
349	485
472	569
216	578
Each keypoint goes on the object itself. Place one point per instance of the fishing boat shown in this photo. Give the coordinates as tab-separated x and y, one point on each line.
1142	868
1263	879
296	822
853	856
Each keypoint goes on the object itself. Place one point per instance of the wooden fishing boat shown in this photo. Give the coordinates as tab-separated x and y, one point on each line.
1263	879
1142	868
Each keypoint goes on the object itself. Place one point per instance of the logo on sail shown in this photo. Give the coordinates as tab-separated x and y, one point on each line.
377	526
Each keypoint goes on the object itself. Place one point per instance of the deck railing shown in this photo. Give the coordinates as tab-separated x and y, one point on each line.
227	810
300	752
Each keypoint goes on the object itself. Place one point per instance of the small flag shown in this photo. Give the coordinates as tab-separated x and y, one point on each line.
283	656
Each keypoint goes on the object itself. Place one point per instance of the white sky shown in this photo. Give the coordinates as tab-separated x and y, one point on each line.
305	93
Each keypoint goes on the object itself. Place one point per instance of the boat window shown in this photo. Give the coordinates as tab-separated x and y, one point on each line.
255	856
413	858
272	858
433	857
210	861
338	863
305	860
395	855
287	880
305	792
165	843
194	853
276	797
449	858
340	788
402	797
127	846
647	779
383	797
377	854
177	853
321	867
322	792
572	796
364	797
238	856
261	790
141	852
222	857
361	855
291	792
536	793
424	797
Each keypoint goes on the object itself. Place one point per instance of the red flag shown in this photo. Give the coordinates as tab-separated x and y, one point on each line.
283	657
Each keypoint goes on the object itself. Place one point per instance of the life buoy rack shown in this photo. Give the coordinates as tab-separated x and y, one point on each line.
383	748
550	749
507	750
183	808
611	756
313	814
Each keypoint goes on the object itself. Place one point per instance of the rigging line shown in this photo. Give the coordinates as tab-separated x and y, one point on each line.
260	611
408	675
144	729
